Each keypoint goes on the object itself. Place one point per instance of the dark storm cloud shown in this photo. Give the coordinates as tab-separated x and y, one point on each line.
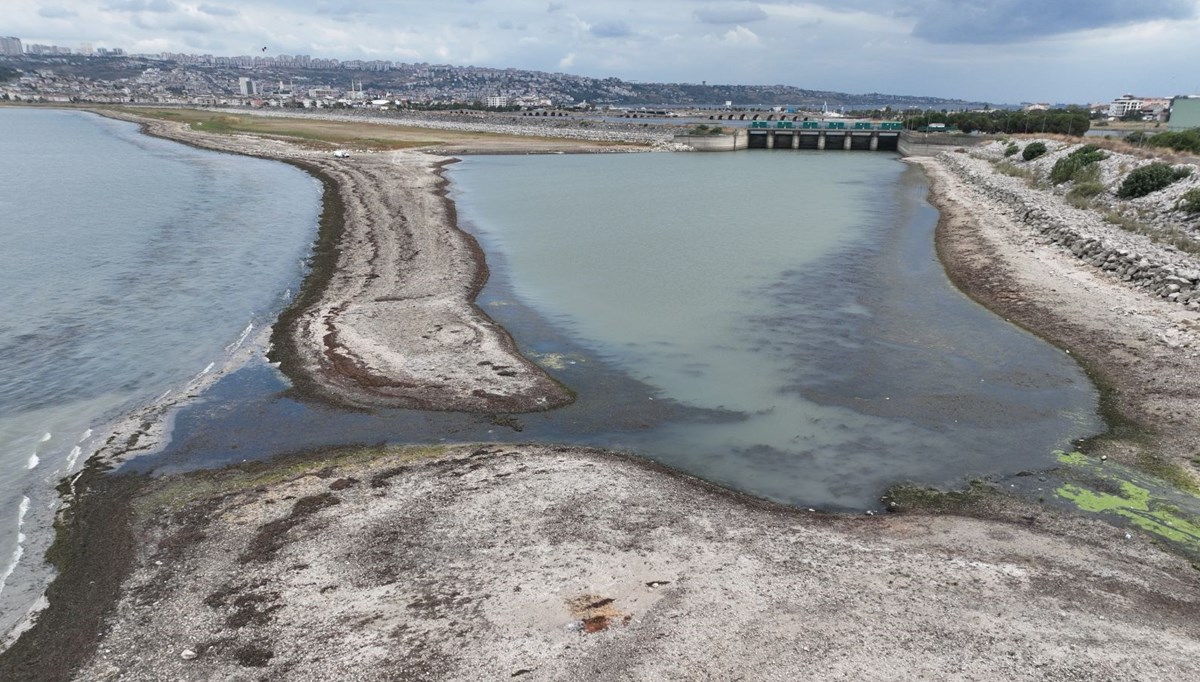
1010	21
611	29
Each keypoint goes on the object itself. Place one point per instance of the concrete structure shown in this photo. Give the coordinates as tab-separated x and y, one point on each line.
497	101
247	86
1123	105
1185	113
10	46
795	138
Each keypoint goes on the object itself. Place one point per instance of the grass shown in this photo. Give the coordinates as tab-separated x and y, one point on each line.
1032	177
1171	236
355	134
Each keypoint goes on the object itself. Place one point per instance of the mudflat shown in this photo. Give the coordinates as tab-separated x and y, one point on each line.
544	563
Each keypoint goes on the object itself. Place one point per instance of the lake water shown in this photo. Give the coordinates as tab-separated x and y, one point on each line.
773	321
128	265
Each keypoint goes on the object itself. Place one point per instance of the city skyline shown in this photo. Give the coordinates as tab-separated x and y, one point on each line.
1005	52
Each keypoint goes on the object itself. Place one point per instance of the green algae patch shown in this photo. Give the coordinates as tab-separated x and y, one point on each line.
1154	504
172	494
908	498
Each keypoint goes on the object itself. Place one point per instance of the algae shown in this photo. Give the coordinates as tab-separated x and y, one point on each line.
1151	503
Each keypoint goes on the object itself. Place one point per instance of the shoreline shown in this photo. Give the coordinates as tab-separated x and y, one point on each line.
353	336
1124	338
166	560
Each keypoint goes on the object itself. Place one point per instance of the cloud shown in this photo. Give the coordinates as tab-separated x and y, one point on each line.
730	13
740	35
218	11
611	29
160	6
57	13
555	7
567	61
1012	21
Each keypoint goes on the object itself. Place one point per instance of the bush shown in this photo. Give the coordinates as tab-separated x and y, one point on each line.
1181	172
1011	149
1071	166
1033	150
1190	201
1146	179
1086	189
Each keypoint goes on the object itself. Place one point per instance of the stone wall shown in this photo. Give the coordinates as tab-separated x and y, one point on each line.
1162	271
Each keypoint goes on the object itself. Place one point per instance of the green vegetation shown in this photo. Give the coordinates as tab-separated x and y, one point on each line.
1190	201
1012	148
1031	176
1172	236
1145	180
1178	140
1083	192
702	129
1033	150
7	74
1069	121
1107	487
1078	165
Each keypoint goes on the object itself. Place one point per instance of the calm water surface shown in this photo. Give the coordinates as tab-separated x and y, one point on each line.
128	265
774	321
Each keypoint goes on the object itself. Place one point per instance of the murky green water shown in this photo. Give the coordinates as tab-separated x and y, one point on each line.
775	322
798	290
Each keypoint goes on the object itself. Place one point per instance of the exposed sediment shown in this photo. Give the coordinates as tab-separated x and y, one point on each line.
393	324
493	562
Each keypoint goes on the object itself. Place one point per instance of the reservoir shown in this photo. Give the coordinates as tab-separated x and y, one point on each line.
776	323
129	265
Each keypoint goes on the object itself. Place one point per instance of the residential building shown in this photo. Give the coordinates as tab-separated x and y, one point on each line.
246	86
10	46
497	101
1125	104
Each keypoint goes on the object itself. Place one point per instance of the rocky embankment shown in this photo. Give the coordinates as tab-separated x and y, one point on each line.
1094	234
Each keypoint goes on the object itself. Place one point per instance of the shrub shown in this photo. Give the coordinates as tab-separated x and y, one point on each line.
1086	189
1190	201
1146	179
1071	166
1181	172
1033	150
1011	149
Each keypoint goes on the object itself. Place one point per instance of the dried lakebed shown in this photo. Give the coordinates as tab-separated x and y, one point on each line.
551	563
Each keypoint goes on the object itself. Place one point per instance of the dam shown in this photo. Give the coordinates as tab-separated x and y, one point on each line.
885	136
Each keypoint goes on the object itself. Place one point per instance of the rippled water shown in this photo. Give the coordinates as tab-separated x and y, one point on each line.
128	265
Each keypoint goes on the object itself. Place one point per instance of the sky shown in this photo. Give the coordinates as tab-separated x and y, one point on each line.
996	51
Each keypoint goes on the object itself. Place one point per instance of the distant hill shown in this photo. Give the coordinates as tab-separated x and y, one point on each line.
464	83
